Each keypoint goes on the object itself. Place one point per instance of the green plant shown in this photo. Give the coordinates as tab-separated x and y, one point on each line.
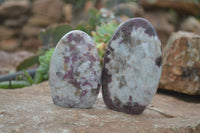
42	73
50	36
102	36
43	70
96	18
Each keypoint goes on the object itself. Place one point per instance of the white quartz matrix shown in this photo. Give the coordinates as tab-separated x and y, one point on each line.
75	72
132	67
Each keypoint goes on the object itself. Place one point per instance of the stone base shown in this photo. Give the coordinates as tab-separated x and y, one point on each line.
31	110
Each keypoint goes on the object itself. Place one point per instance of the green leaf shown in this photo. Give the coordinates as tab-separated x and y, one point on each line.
38	77
13	84
59	32
29	78
28	62
45	36
50	36
104	32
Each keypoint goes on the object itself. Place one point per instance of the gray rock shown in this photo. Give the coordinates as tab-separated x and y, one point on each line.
75	71
132	67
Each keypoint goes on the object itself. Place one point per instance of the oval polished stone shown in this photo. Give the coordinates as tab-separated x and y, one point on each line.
132	67
75	71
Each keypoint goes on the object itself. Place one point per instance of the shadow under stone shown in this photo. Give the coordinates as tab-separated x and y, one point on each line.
180	96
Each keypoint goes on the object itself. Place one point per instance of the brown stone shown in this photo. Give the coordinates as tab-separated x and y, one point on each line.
31	109
87	6
39	21
6	32
15	22
181	63
50	10
184	6
67	11
191	24
30	31
9	44
131	9
32	43
14	8
163	23
9	61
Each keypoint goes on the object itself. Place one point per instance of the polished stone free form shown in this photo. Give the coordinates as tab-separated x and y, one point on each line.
132	67
75	72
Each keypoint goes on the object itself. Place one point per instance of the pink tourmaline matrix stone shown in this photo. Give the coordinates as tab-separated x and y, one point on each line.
75	71
132	67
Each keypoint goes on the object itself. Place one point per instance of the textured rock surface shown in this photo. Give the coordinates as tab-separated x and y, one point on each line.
8	61
16	22
7	33
9	44
46	12
14	8
75	72
191	24
130	9
30	31
181	63
31	110
132	67
163	22
184	6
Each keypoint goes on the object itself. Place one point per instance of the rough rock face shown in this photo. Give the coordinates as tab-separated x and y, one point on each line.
32	110
9	44
187	6
132	67
163	22
191	24
14	8
6	32
131	9
75	72
46	12
181	63
7	65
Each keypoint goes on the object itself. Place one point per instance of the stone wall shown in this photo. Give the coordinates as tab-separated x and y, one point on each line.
21	20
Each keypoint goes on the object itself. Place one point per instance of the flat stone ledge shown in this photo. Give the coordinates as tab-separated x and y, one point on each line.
31	110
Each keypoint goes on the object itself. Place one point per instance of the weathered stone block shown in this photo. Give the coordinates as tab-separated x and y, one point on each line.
181	63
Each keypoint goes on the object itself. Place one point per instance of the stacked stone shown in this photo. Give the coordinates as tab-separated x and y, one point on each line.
166	16
21	21
13	15
44	13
